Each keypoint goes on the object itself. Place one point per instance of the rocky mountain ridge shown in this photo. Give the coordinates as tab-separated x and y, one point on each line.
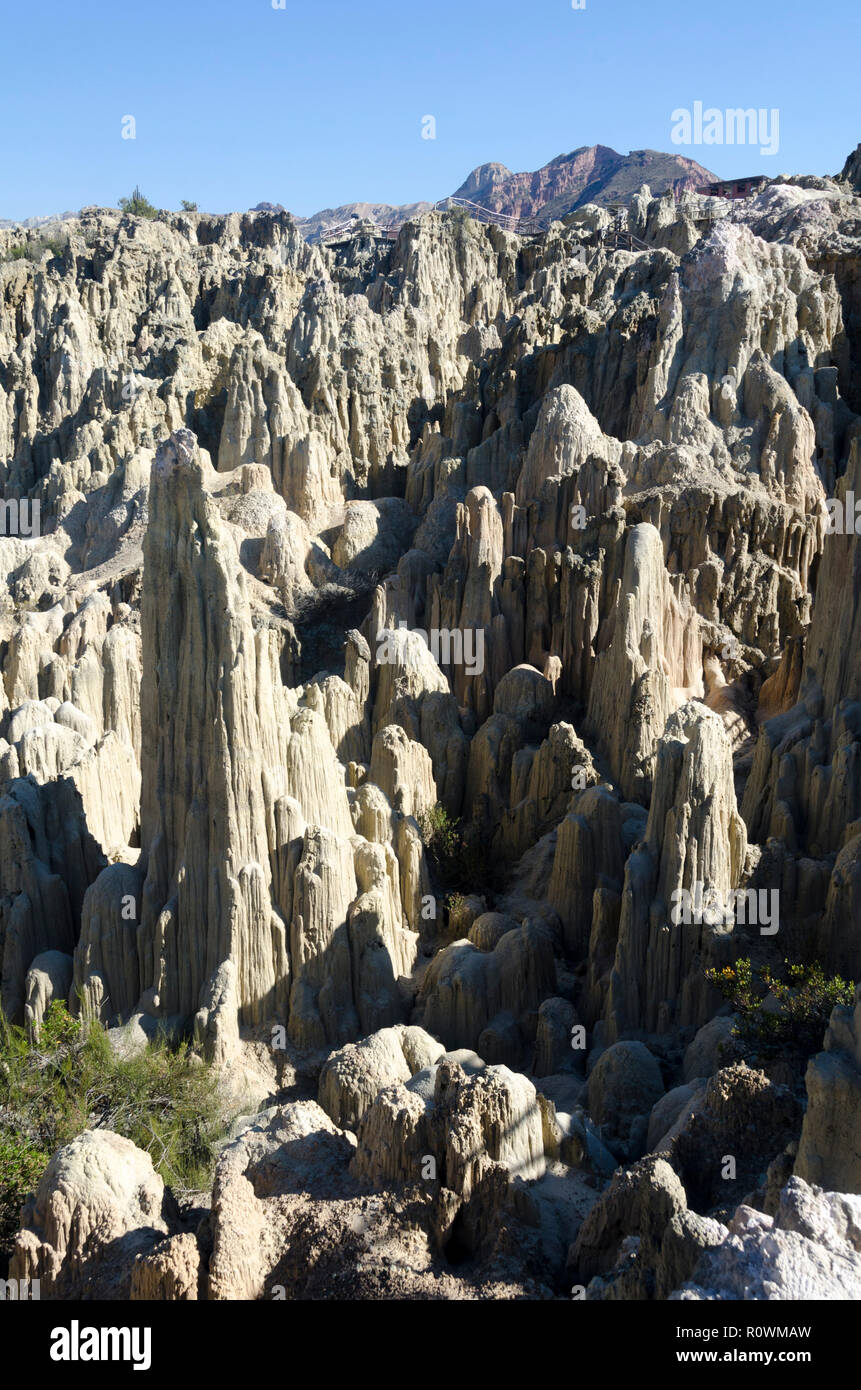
593	174
596	174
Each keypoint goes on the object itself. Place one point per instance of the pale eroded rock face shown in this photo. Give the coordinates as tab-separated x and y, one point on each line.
49	978
429	616
98	1205
811	1249
828	1151
694	834
293	1189
211	732
353	1075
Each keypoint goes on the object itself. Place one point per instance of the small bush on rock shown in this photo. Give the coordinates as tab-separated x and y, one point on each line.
71	1079
781	1015
34	250
462	866
139	206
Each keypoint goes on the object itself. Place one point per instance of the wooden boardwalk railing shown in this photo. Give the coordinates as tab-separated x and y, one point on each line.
343	232
523	226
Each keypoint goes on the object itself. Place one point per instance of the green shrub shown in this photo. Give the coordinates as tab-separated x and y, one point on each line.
793	1023
460	218
454	902
441	837
21	1166
70	1079
35	250
462	865
138	206
188	207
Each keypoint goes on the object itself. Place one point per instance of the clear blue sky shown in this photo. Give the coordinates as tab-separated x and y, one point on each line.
321	103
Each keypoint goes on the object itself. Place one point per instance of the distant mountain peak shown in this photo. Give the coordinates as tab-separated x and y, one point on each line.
482	180
588	174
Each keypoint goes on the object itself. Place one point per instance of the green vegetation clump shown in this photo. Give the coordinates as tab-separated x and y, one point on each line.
460	217
70	1079
461	865
35	250
454	903
442	838
139	206
781	1015
187	206
21	1166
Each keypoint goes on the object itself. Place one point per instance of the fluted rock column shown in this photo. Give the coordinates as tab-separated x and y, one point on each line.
805	782
210	735
694	835
654	654
467	598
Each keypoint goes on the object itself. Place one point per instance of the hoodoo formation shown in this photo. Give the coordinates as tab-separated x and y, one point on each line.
432	708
